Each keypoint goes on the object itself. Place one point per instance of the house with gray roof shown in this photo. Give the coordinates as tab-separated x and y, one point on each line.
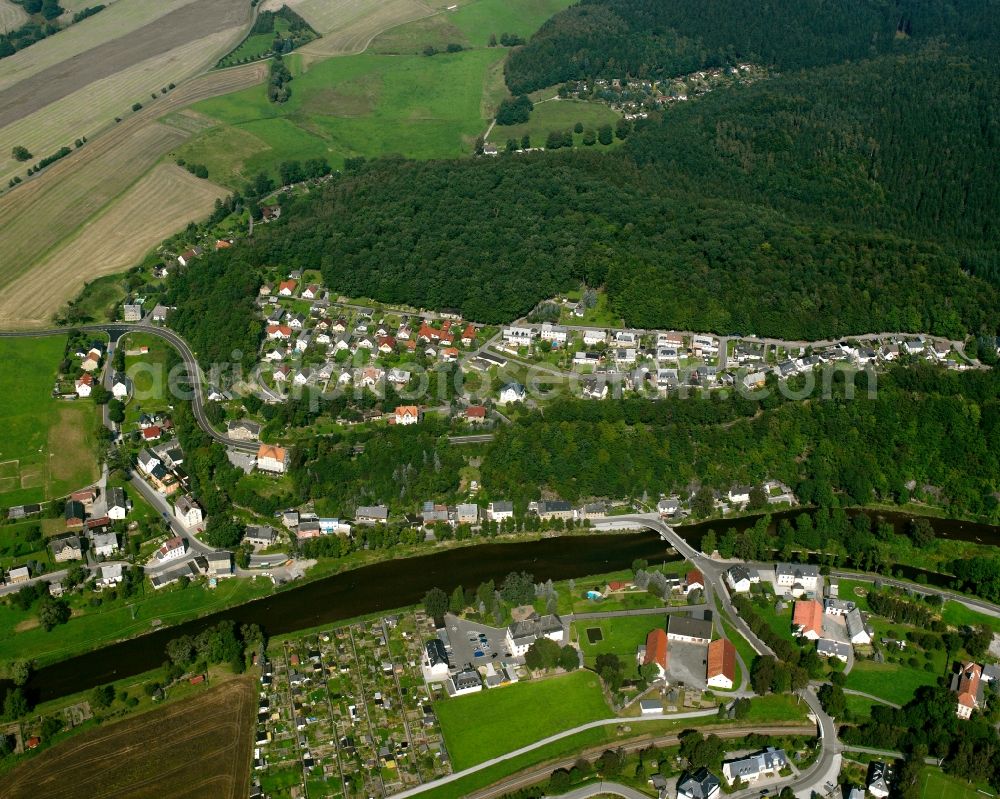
521	635
698	784
752	768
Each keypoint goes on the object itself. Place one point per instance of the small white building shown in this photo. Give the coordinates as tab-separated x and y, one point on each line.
110	574
856	629
271	458
738	578
172	549
512	392
498	511
592	337
104	545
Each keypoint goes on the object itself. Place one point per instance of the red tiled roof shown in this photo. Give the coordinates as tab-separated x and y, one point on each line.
968	685
808	616
656	647
476	412
722	659
694	576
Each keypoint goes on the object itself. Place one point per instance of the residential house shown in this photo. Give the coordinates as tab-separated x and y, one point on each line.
549	332
371	514
828	648
84	385
694	581
64	549
466	681
260	536
121	386
968	686
754	380
18	575
277	332
500	510
286	288
407	414
188	512
592	337
795	579
172	549
132	312
668	507
750	769
512	392
554	509
879	779
517	336
521	635
467	513
91	360
271	458
705	346
475	414
147	462
856	629
738	579
833	606
740	494
699	784
220	564
243	430
118	504
311	292
468	335
74	513
104	545
688	629
186	257
303	376
807	619
721	666
110	574
655	651
435	660
268	213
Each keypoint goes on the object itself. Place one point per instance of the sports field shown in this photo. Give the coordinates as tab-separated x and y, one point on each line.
163	201
46	445
941	786
479	726
195	747
366	105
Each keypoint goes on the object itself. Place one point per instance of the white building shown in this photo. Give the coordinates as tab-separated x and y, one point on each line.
188	512
498	511
518	336
512	392
522	634
592	337
104	544
739	579
752	768
272	459
856	629
118	504
552	333
110	574
172	549
795	578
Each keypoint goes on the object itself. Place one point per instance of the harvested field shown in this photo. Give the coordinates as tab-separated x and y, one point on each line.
349	26
11	16
138	757
176	29
117	20
88	110
162	202
48	209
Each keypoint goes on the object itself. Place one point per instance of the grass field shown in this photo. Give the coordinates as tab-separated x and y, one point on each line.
138	757
149	376
482	725
891	681
937	785
348	26
46	446
558	115
620	636
357	105
959	615
162	202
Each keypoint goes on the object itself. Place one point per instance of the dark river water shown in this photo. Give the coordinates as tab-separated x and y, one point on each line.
380	586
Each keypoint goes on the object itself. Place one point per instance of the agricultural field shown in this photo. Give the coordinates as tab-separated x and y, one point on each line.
163	201
365	105
46	445
139	757
541	708
348	26
558	115
11	16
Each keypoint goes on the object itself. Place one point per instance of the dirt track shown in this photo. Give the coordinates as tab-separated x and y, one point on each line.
196	747
160	36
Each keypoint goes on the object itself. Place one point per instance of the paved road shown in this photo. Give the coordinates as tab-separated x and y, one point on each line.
695	714
602	789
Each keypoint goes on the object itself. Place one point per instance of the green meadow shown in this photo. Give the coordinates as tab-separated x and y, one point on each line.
389	100
559	115
46	445
479	726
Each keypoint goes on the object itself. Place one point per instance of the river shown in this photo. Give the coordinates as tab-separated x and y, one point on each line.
369	589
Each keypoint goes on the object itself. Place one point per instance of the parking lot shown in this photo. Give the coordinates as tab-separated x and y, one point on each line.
686	664
475	643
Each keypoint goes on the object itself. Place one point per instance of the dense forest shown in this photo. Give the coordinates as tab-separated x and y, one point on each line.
655	40
934	428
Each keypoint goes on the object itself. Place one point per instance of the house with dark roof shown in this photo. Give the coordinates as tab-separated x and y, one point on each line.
698	784
688	629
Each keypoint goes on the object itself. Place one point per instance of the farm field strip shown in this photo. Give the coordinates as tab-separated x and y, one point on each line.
94	107
138	757
161	202
177	29
354	34
11	16
44	212
119	19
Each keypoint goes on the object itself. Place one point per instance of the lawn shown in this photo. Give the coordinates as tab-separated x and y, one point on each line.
22	637
364	105
957	614
940	786
149	376
892	681
46	445
558	115
860	706
620	636
486	724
